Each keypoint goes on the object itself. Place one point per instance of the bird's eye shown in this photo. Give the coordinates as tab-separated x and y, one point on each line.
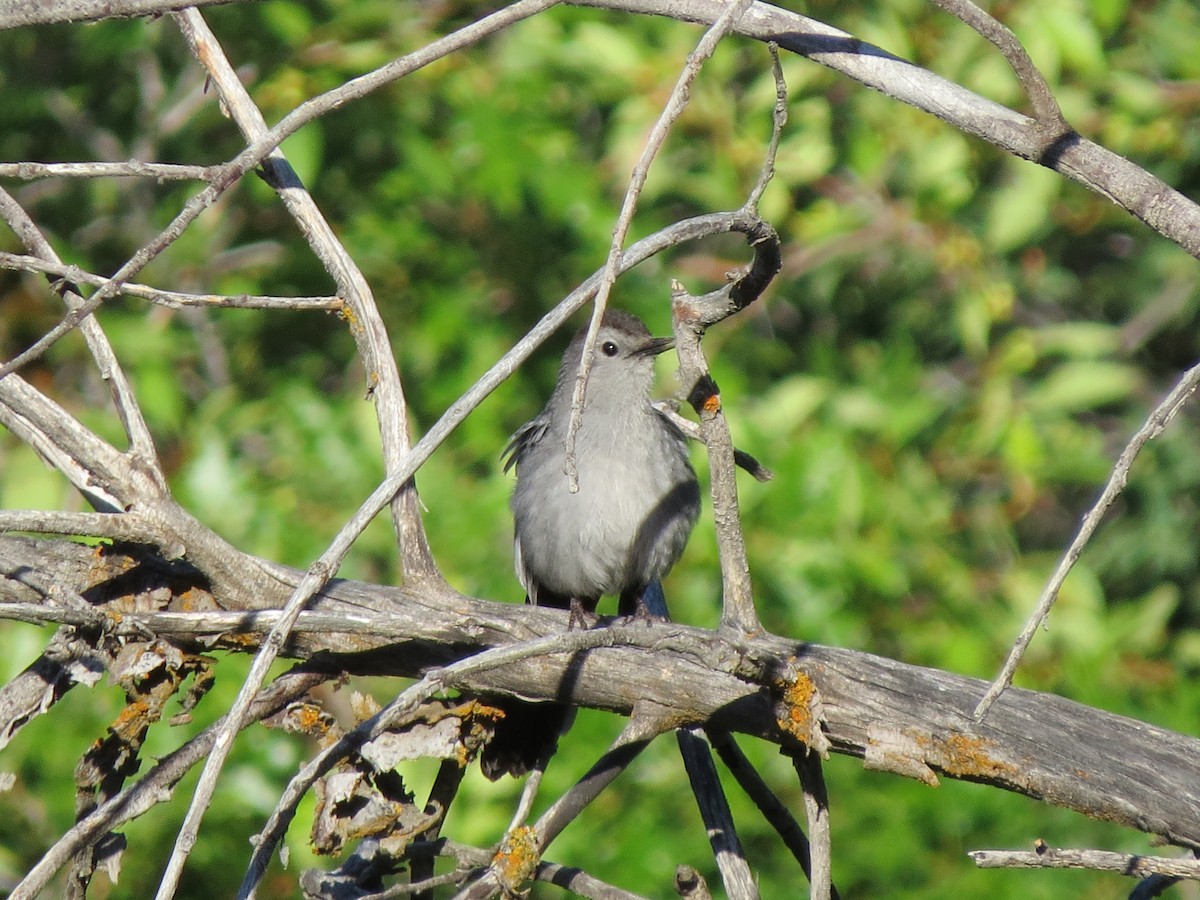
609	348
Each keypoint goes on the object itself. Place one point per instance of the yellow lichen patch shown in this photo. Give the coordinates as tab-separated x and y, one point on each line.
312	718
517	858
132	718
795	714
962	755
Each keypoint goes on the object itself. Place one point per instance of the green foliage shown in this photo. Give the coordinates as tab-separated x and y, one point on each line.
955	352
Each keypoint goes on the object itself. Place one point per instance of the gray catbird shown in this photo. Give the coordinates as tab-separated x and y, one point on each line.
619	533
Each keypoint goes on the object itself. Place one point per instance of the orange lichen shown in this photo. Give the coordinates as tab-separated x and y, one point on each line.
517	858
795	714
962	755
311	718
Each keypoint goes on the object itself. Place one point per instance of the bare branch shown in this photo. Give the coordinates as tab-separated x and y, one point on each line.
1153	427
816	807
772	808
141	444
671	112
169	299
1045	107
718	820
44	12
1044	857
741	458
95	469
779	117
118	526
579	882
29	171
367	325
1150	199
155	786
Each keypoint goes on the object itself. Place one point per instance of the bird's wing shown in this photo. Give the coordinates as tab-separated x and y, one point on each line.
523	438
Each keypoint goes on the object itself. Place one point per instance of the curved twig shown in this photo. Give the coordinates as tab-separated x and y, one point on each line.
1045	106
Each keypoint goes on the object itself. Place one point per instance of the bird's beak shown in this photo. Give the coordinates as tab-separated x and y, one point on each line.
655	346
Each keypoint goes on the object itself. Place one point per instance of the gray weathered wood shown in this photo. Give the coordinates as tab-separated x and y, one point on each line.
898	717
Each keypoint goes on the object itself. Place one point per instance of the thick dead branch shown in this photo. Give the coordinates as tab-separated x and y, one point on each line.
906	719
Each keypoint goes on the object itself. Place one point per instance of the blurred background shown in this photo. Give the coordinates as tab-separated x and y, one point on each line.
958	347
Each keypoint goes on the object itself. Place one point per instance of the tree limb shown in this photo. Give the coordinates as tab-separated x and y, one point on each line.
903	719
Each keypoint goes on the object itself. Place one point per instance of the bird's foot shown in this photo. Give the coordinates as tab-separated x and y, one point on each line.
641	615
580	617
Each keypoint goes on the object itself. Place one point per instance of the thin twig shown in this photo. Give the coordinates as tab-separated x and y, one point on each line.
1045	107
1044	857
671	112
419	887
779	117
367	327
816	807
772	808
396	712
1152	428
130	169
169	299
741	458
714	810
154	787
